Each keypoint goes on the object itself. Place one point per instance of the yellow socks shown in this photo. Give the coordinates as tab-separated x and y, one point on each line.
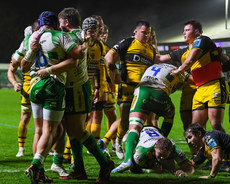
22	132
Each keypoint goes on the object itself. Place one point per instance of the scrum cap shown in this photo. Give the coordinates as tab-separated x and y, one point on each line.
89	23
48	18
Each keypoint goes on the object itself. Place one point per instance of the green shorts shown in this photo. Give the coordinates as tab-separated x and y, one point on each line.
148	100
78	99
50	93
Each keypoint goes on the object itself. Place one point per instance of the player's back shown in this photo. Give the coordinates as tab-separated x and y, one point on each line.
158	76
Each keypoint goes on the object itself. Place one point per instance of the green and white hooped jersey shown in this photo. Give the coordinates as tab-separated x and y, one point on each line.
54	48
158	76
79	74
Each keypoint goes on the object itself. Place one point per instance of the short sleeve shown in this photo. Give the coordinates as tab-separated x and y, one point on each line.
67	43
20	52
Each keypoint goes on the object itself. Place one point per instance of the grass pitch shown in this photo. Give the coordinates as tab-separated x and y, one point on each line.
12	168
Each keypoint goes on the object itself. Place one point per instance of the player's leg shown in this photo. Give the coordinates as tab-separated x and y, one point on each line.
97	118
25	118
58	147
22	132
216	116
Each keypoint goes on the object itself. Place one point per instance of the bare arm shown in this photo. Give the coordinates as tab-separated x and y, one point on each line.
187	167
162	58
193	56
12	69
216	163
58	68
111	59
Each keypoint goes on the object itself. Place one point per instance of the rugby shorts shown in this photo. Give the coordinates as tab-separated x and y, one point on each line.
78	99
211	95
148	100
125	93
25	97
188	92
48	92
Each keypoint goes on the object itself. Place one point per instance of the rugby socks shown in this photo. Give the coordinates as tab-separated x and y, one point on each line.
90	143
58	158
120	132
166	128
108	137
77	152
38	161
22	132
131	143
96	130
67	152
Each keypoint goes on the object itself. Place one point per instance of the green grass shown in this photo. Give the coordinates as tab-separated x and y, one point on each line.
12	168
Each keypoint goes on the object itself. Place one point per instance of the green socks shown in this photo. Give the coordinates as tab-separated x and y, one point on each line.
131	142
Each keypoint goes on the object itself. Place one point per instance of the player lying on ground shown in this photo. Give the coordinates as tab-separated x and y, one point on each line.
155	153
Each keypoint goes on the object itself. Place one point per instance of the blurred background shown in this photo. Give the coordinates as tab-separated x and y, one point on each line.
167	16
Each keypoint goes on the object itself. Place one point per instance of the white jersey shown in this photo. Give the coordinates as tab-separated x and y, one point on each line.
158	76
54	48
79	74
21	51
149	136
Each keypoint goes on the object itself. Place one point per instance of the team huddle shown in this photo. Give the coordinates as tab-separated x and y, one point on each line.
72	77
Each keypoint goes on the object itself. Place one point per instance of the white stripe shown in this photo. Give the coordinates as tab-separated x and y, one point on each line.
13	126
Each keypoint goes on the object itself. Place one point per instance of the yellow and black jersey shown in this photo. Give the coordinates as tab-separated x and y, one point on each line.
106	47
135	57
26	77
213	139
180	55
95	54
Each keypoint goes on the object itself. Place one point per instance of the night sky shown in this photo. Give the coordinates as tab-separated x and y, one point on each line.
120	16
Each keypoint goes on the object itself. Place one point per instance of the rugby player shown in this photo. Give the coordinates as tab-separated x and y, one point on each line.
78	103
135	54
154	153
151	95
210	144
24	87
47	84
204	61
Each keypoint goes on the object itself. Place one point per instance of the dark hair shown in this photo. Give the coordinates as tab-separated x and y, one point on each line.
195	24
195	129
72	15
164	144
142	23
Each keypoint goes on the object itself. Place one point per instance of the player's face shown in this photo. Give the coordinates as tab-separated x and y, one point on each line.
92	33
161	155
194	141
189	33
104	36
63	24
142	33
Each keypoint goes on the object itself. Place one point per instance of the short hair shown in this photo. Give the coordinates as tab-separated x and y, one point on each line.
72	15
164	144
195	24
195	129
142	23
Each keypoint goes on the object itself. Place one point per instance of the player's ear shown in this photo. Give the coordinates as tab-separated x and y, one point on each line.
197	31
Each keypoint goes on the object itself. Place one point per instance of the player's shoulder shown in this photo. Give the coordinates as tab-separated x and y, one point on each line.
202	41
